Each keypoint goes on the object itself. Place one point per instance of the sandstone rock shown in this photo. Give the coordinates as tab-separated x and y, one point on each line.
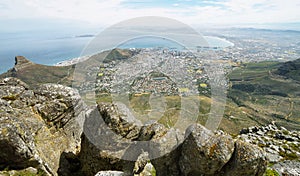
25	139
27	171
103	149
17	144
120	120
66	107
203	152
61	108
152	131
141	162
148	170
21	63
18	126
165	151
105	138
247	159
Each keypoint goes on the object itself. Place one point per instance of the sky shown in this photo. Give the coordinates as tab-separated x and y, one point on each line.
30	14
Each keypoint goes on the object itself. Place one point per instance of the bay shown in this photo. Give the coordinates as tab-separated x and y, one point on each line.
50	50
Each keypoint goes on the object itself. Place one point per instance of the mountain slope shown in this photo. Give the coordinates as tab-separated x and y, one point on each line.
290	70
263	95
36	74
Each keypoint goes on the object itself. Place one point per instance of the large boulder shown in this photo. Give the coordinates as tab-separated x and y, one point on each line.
102	148
203	152
61	107
164	150
247	159
119	118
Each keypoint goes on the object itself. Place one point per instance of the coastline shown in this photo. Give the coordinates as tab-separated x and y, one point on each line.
72	61
212	40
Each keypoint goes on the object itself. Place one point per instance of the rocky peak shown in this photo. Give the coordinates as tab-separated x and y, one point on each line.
21	62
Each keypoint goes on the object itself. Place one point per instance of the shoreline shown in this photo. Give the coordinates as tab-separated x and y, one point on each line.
215	38
71	61
225	43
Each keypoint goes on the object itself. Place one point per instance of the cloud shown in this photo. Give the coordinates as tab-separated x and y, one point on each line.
190	11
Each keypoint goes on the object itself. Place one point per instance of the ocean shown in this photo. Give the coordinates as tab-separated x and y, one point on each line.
48	49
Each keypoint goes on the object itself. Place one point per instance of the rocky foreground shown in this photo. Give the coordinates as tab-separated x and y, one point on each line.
50	131
281	146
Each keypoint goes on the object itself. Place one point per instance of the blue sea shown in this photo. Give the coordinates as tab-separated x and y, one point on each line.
41	49
49	49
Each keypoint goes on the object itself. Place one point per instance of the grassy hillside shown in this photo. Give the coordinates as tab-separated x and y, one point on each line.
262	95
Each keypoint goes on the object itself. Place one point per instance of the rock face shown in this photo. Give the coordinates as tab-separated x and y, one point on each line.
101	148
21	63
29	130
247	160
165	150
203	152
119	119
52	130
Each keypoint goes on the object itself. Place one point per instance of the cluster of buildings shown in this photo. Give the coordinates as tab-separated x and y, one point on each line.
155	71
184	72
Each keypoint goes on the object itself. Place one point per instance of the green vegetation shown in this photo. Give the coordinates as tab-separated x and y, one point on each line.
140	102
27	173
103	98
290	70
24	172
170	117
11	97
288	156
117	54
264	95
153	172
271	172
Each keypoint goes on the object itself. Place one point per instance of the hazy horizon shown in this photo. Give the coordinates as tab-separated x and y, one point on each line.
34	15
